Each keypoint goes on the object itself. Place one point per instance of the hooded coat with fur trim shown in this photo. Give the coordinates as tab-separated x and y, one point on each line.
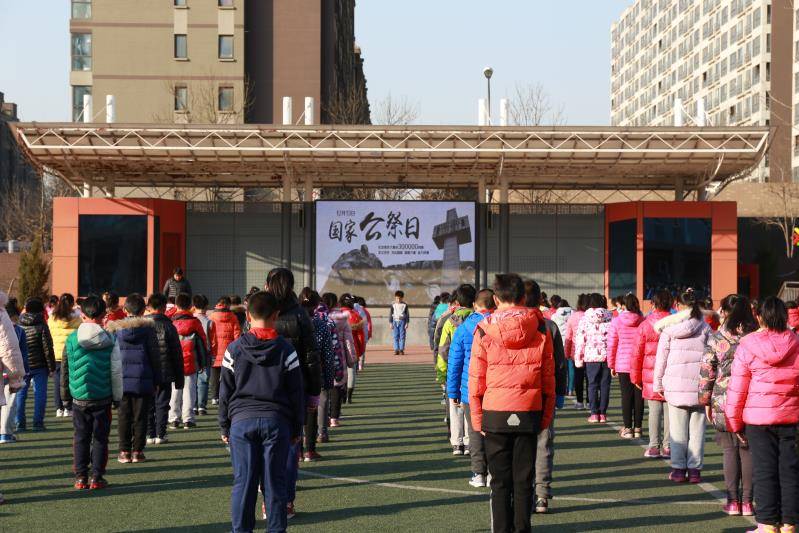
621	340
591	337
11	362
680	351
138	350
642	363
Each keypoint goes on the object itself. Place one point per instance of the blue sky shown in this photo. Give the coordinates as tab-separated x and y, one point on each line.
431	52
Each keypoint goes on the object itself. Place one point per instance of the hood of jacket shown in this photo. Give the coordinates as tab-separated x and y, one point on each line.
793	317
629	319
514	328
562	313
774	347
131	329
680	325
93	337
31	319
598	315
262	352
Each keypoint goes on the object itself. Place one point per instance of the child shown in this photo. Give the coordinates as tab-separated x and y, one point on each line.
200	303
113	311
261	413
11	363
91	381
171	309
141	373
348	356
360	307
561	319
226	329
591	350
62	323
680	350
399	318
195	356
41	362
763	396
715	373
358	327
13	375
568	345
621	345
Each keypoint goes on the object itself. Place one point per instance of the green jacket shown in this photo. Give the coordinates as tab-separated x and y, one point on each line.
457	318
91	371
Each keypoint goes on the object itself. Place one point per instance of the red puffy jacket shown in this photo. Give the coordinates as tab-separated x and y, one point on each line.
793	318
642	361
512	370
228	329
358	335
113	316
192	340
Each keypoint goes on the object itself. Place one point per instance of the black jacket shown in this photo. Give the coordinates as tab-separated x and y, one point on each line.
173	287
561	367
39	341
170	353
295	326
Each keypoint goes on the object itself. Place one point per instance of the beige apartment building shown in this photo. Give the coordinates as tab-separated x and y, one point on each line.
721	62
215	61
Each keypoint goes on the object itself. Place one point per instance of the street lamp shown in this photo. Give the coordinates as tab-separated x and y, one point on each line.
488	72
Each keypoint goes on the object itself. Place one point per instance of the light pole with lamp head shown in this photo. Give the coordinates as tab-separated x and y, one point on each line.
488	72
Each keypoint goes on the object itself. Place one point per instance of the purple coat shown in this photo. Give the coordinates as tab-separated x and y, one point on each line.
622	337
679	358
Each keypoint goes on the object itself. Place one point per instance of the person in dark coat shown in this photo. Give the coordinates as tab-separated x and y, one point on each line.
41	361
141	377
170	356
177	284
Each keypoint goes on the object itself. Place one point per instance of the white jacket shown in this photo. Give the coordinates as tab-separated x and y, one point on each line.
11	362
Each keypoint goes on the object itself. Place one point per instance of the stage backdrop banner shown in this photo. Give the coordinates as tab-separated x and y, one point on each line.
374	248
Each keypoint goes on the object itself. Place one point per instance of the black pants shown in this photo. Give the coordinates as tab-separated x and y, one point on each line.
311	429
632	402
477	450
90	442
213	386
737	467
511	463
776	473
158	412
579	383
337	395
133	411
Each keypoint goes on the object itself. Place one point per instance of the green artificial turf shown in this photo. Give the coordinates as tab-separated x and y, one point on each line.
393	434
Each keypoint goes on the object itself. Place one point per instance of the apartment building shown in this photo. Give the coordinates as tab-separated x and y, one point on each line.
214	61
724	62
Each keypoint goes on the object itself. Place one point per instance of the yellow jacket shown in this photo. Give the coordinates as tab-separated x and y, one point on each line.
60	330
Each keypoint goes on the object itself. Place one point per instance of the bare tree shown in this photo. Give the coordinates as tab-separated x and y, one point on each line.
26	212
530	105
348	107
202	103
395	112
784	196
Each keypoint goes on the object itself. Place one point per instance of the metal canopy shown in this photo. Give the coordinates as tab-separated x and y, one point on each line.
398	156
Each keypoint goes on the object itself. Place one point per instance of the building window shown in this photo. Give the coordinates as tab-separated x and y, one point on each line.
180	3
225	3
81	51
226	99
78	91
225	47
181	47
81	9
181	98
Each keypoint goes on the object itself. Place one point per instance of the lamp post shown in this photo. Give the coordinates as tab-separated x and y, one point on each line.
488	72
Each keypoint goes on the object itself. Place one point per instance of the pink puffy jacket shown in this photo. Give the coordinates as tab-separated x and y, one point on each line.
680	352
591	337
621	341
642	363
571	330
764	389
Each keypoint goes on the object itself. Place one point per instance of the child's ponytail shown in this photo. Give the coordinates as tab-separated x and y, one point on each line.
689	299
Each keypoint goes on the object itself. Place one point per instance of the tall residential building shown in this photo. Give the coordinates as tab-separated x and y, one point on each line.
736	56
216	61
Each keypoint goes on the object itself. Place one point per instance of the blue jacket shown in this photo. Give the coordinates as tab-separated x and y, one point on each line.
138	348
261	378
460	354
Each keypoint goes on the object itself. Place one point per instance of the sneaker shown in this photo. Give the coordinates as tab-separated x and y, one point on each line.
733	508
59	413
202	411
637	433
666	453
98	483
175	424
124	458
652	453
20	427
747	509
81	483
402	352
541	506
593	419
603	419
160	440
7	439
694	475
396	352
290	512
579	405
214	402
466	451
67	413
323	438
263	511
477	481
334	423
189	425
138	457
195	411
457	450
678	475
626	433
310	457
150	440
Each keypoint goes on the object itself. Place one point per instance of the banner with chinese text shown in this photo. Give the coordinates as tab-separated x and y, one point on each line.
374	248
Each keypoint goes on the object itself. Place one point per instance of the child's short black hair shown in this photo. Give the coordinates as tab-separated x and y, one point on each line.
360	301
111	298
134	304
224	301
509	288
262	305
399	294
199	301
93	307
12	308
170	300
465	294
156	301
34	305
183	302
791	304
774	314
235	300
485	299
330	300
